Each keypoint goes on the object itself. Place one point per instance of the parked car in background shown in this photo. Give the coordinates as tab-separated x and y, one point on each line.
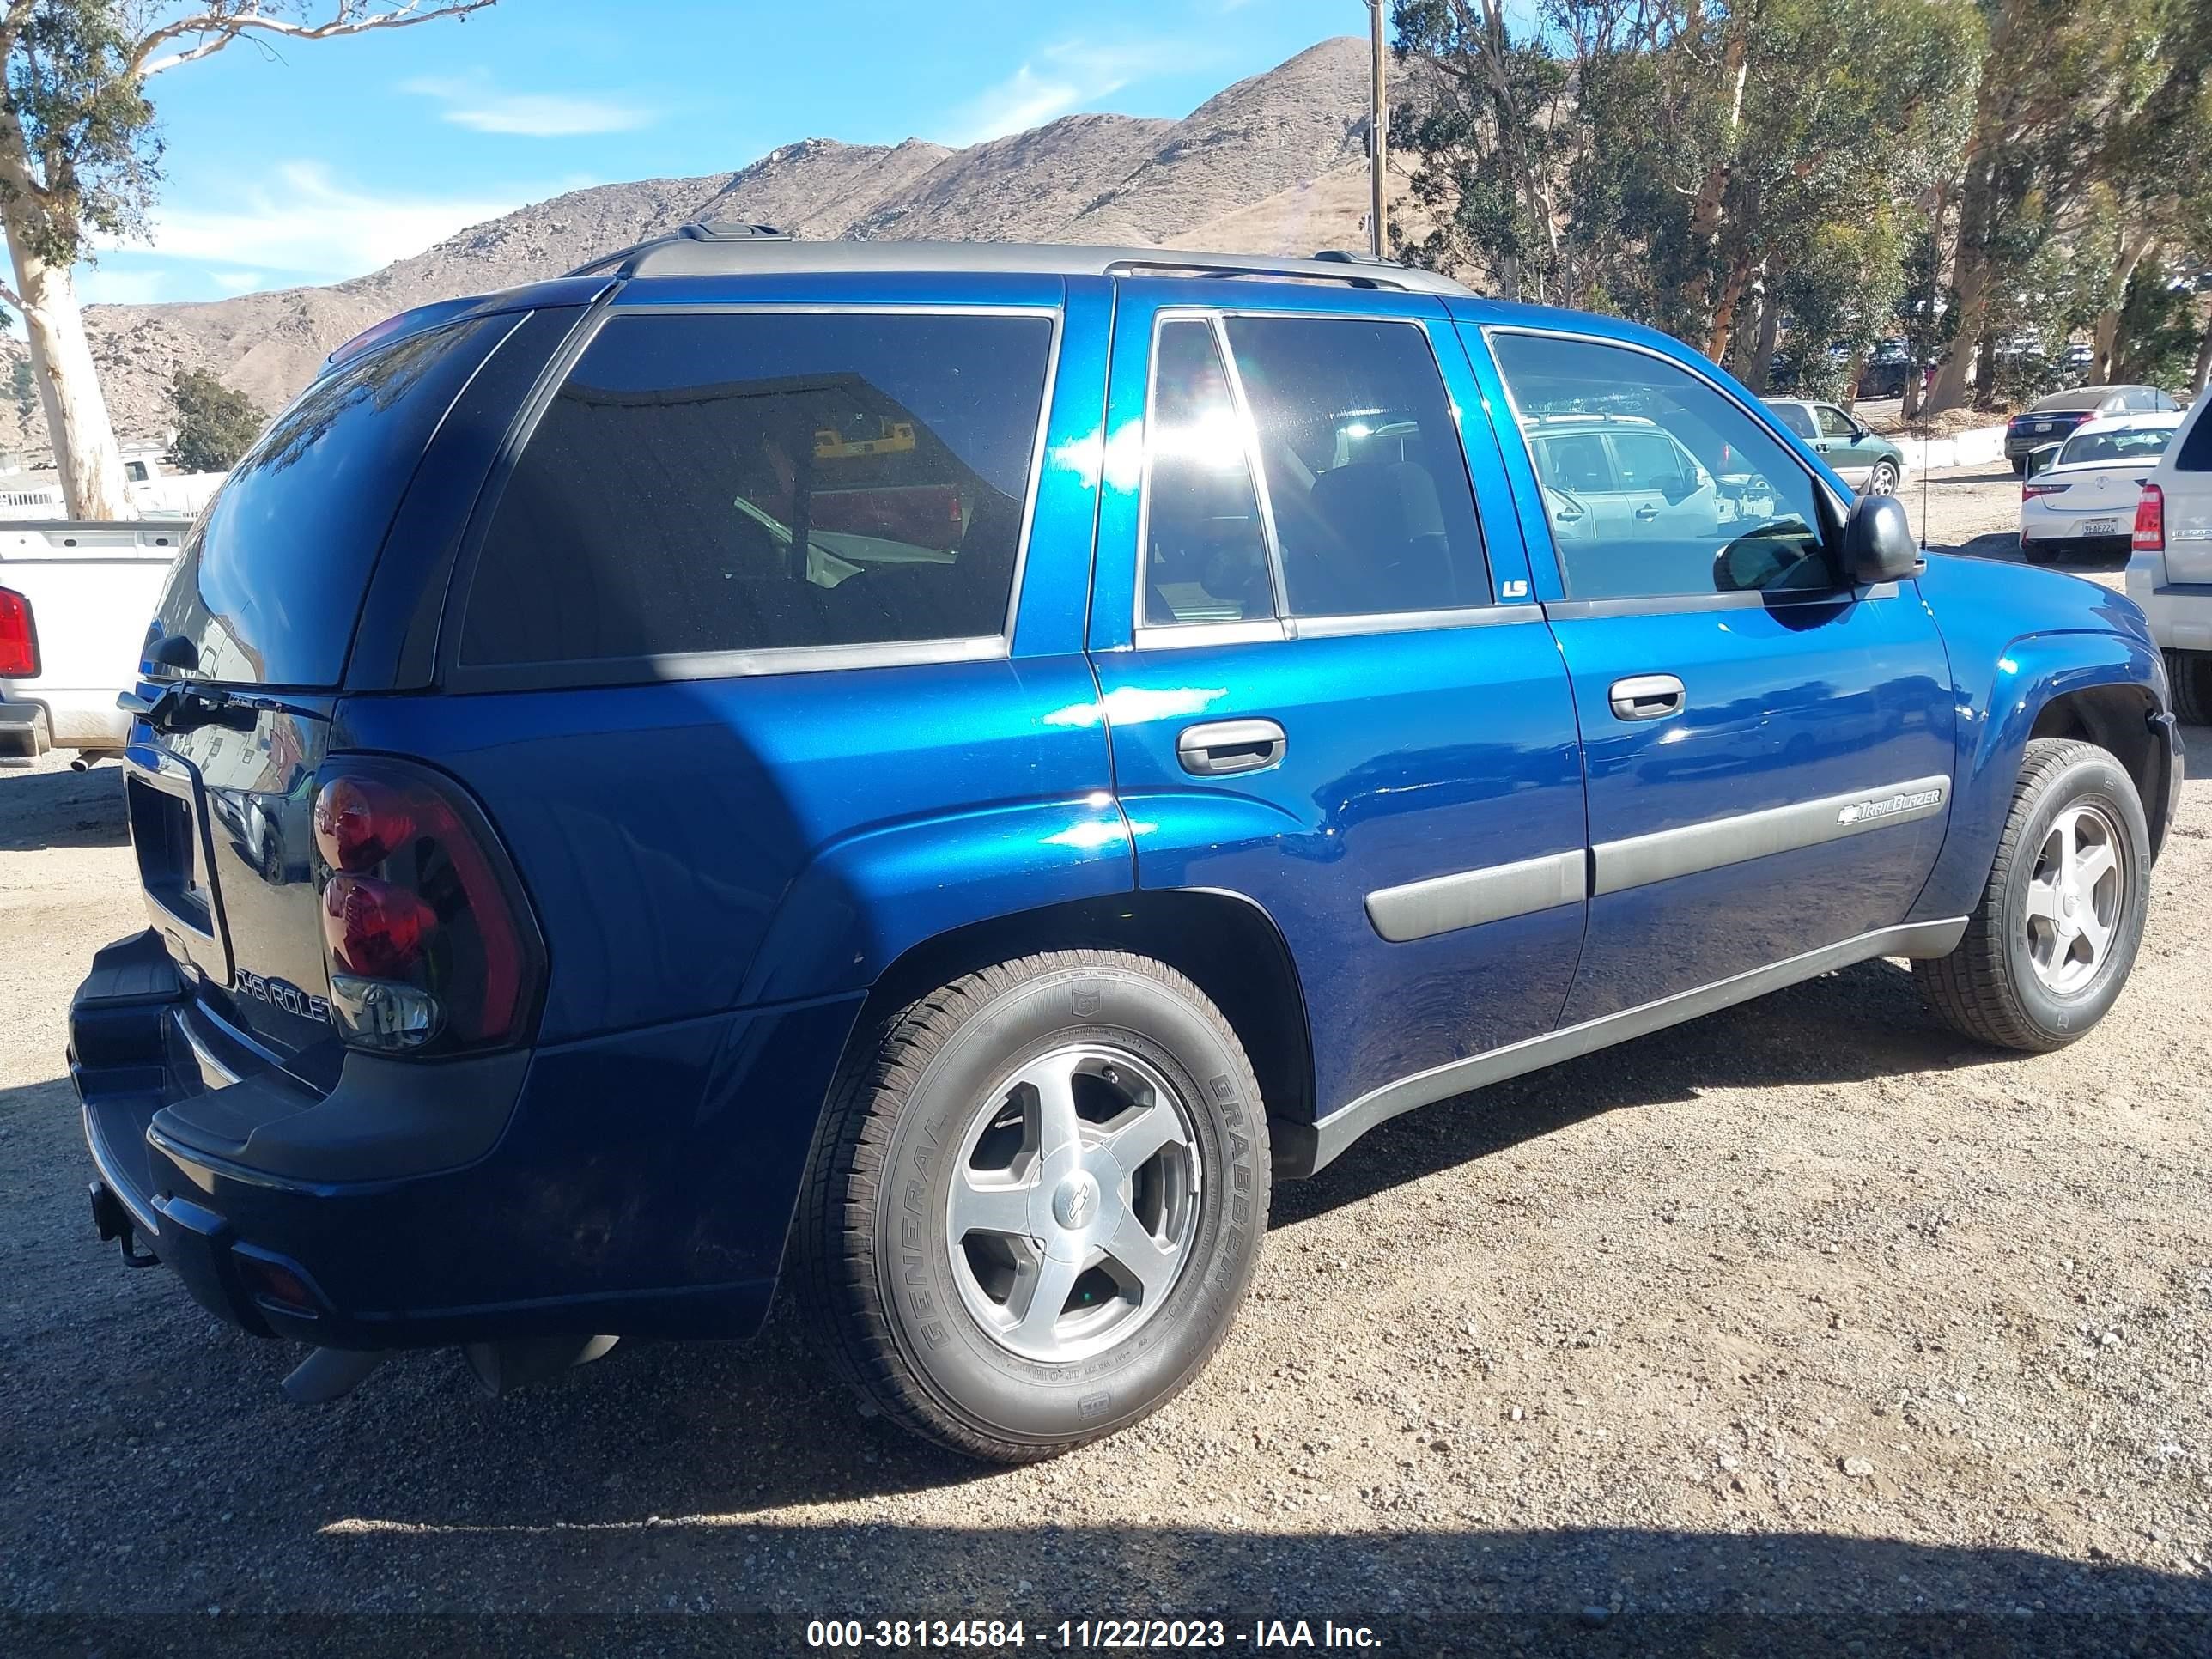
1866	460
2170	570
2049	419
2079	497
74	603
581	896
1886	372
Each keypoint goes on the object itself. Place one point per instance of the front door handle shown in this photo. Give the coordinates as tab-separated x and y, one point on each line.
1646	697
1221	747
1645	514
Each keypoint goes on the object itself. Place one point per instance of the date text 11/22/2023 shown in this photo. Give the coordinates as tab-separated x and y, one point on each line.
1085	1634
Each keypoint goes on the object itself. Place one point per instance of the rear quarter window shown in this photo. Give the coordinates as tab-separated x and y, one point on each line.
2196	455
269	586
706	483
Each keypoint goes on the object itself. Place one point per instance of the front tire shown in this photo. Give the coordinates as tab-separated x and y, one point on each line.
2048	947
1882	481
1036	1202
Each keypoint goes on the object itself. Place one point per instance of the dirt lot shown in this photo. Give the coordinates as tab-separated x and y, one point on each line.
1806	1328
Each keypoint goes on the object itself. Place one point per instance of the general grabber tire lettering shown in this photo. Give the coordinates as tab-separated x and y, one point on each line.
2048	949
1036	1202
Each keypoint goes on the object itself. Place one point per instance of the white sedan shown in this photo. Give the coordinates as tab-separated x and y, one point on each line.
2085	501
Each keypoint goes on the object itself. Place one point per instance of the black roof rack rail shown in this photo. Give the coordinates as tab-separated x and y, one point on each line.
719	248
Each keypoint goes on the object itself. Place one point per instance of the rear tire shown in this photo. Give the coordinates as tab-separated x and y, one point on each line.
2048	947
2019	466
2190	674
1082	1126
2041	552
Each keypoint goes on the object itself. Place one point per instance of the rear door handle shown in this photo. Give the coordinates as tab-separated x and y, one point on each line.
1221	747
1646	697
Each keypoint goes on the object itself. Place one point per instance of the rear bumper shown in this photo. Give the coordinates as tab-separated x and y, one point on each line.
74	719
2042	521
2180	613
25	734
2017	444
636	1184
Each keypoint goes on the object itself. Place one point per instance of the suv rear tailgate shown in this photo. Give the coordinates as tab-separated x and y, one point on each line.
222	823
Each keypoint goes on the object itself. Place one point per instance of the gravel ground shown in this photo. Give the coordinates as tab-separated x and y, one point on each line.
1807	1326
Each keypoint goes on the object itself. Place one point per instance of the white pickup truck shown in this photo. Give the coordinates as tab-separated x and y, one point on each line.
75	600
155	490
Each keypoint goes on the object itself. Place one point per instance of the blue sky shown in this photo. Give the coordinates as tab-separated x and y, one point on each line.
326	159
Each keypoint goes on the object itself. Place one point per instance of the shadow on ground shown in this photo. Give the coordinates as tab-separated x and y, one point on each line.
1864	1022
41	808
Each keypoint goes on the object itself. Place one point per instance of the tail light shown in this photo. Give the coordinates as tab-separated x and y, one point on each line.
2150	520
19	637
2028	492
430	942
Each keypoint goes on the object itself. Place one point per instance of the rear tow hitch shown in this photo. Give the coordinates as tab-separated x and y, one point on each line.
112	1220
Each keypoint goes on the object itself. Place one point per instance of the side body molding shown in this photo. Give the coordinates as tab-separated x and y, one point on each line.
1468	898
1636	859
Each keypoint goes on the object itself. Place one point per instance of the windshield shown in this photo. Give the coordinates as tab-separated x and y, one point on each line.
2142	444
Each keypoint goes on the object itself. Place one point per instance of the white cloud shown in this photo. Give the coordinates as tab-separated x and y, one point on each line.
107	285
298	219
1060	79
472	101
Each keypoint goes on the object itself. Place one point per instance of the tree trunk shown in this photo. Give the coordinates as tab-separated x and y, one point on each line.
1717	343
85	451
1770	335
1705	212
1970	281
2204	375
2108	320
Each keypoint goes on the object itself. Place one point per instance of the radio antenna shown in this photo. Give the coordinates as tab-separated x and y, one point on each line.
1935	265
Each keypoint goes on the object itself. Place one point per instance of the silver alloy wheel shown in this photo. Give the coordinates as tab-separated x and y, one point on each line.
1882	481
2075	896
1074	1198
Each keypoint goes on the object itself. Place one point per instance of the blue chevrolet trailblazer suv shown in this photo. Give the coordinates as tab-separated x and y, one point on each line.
939	773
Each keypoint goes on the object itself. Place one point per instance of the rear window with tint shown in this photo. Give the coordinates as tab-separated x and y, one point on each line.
270	584
2196	449
737	481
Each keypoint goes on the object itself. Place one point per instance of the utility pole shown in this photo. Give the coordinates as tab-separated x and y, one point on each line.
1378	141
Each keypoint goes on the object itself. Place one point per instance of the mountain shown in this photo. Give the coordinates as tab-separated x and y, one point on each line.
1273	165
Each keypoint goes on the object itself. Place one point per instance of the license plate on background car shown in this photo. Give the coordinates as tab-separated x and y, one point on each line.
2101	526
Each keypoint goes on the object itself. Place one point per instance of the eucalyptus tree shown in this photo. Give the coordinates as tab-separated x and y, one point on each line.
80	159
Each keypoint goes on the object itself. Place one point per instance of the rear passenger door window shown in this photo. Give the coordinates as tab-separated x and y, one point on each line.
1204	547
709	484
1365	483
1710	500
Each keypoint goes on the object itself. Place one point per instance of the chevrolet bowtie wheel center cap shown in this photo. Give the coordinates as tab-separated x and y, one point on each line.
1075	1206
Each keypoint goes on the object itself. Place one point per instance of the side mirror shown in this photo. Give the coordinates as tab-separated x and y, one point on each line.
1878	544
